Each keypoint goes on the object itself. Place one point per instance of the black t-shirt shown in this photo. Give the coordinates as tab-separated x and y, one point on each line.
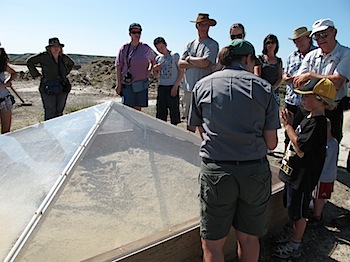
312	140
270	72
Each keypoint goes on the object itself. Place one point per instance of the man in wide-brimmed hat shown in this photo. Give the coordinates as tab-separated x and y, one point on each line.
303	43
198	59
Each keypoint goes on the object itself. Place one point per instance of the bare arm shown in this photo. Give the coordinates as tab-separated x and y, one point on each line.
337	79
200	130
118	88
279	79
177	83
271	139
183	64
198	61
156	70
257	70
287	120
8	81
192	61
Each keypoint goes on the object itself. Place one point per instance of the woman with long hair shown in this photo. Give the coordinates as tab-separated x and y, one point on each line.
6	99
271	68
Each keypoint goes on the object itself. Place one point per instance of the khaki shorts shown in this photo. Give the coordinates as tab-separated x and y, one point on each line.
233	195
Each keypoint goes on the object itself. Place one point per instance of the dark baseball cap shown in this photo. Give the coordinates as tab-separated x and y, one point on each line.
318	86
243	47
135	26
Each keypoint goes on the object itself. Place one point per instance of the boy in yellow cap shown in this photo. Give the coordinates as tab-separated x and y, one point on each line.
304	158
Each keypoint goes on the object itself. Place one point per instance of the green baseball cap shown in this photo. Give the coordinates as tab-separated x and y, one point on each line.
243	47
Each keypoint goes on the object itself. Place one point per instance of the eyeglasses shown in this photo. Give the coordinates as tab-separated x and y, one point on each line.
317	36
239	36
270	42
135	32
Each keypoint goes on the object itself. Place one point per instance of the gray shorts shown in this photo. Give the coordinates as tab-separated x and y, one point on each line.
186	102
6	104
233	195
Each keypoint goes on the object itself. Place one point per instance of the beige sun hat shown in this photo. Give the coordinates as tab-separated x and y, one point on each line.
299	32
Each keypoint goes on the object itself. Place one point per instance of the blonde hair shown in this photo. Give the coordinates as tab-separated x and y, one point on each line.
329	103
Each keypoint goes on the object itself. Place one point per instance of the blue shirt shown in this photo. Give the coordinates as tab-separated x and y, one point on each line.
292	66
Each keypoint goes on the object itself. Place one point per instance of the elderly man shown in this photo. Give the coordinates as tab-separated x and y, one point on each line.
303	43
239	117
331	60
198	59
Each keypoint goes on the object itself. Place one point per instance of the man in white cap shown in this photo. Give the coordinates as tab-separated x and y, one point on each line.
303	42
331	60
198	59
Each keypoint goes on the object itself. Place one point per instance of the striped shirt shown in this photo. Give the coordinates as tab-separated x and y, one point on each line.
292	66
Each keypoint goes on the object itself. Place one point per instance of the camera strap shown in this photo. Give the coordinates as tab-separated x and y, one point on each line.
128	59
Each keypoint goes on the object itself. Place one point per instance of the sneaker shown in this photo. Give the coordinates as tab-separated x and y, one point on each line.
282	240
287	251
314	222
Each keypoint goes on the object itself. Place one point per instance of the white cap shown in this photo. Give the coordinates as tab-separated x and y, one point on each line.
321	25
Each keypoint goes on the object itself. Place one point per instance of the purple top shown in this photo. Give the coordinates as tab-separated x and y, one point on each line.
138	59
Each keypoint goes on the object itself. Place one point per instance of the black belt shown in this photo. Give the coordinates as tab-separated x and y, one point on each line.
236	163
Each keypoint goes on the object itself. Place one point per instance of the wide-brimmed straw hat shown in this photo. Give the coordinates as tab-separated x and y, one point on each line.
204	18
299	32
54	41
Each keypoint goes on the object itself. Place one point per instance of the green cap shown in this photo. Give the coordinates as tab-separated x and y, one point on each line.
243	47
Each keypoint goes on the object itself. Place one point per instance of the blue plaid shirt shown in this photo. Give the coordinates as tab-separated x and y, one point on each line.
292	66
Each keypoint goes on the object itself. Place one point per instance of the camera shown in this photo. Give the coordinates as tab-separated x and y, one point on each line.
127	78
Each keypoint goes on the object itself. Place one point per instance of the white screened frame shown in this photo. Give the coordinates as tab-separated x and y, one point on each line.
99	179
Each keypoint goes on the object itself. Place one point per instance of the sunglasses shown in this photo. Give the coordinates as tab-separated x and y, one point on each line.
239	36
135	32
320	35
270	42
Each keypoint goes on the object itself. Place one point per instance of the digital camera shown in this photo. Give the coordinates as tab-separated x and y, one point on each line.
127	78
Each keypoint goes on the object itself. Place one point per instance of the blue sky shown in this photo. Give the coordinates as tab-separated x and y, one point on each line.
100	27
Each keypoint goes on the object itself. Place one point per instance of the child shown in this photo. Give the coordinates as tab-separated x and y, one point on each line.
170	76
324	188
302	166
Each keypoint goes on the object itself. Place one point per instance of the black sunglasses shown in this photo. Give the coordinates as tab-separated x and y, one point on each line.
135	32
239	36
270	42
317	36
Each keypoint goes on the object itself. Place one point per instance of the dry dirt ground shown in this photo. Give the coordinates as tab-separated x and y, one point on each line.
326	243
